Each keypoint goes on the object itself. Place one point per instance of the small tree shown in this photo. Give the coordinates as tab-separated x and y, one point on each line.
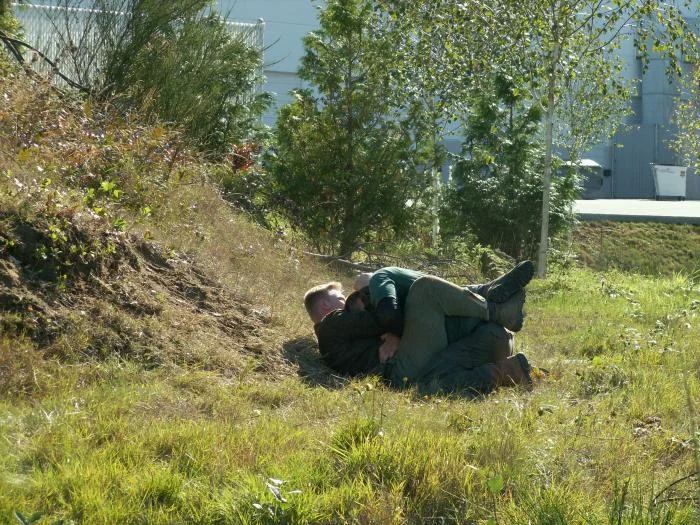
496	187
345	167
177	60
568	42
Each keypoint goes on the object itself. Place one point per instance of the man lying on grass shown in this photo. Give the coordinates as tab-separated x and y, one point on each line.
417	329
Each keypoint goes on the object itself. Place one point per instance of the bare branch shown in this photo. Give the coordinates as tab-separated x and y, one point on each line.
15	42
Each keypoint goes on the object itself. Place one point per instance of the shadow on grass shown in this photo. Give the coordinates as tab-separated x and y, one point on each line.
303	352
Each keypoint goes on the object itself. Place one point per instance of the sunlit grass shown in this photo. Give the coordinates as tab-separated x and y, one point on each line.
648	248
159	418
110	442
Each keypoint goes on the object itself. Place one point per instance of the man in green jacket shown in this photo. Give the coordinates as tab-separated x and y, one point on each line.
387	289
437	313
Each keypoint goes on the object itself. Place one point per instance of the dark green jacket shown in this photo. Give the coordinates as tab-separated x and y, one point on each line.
349	342
392	282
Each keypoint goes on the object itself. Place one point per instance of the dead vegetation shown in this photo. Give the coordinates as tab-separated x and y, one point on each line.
138	302
115	245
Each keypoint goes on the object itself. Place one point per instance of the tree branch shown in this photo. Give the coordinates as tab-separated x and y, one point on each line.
12	43
342	262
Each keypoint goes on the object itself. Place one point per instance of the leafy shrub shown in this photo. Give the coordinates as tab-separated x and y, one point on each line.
496	189
177	61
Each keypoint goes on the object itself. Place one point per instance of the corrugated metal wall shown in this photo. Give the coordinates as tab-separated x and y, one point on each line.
633	153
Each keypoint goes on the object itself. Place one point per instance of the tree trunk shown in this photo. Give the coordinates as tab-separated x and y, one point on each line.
346	248
435	174
435	234
547	175
546	181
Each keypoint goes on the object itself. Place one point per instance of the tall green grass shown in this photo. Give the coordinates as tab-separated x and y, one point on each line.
603	439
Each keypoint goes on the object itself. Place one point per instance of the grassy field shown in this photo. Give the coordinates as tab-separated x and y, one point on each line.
648	248
606	438
156	366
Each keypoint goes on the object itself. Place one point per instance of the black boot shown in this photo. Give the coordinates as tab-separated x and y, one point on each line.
499	290
514	370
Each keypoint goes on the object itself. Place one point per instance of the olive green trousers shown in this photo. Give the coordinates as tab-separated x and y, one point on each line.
430	300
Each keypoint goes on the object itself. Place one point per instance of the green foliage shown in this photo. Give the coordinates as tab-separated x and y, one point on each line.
574	76
28	520
8	24
687	117
592	106
432	91
179	62
496	186
557	54
344	166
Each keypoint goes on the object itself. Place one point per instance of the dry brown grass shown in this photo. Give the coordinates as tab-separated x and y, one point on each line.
187	280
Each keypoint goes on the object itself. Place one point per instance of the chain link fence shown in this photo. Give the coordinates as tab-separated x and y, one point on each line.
73	38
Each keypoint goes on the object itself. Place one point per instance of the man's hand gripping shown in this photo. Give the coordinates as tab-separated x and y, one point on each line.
389	347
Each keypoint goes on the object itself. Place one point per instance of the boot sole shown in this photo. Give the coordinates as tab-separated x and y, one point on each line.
525	365
518	322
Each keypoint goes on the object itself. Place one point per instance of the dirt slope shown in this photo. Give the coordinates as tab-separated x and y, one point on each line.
139	301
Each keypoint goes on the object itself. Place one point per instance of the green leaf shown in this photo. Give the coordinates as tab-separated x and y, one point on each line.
31	519
495	484
119	224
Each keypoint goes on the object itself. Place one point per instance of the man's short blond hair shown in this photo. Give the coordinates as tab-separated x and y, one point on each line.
312	296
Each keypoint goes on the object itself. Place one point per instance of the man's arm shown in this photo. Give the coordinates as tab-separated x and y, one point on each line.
358	357
349	341
385	296
351	325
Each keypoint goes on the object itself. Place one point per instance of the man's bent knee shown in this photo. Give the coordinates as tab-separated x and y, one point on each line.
421	289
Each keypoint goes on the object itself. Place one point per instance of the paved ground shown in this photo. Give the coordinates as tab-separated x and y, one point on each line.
638	210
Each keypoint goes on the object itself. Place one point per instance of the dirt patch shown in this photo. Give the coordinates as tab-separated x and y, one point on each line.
118	295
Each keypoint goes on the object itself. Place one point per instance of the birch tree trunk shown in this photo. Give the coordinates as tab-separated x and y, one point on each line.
547	175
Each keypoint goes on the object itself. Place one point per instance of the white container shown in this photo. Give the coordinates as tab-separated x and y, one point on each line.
669	181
